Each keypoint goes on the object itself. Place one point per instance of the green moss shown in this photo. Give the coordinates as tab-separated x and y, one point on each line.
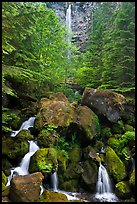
24	135
106	133
115	166
122	190
4	178
114	143
118	128
129	128
132	179
49	196
71	185
44	160
75	154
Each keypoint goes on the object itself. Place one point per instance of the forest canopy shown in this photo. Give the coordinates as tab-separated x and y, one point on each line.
34	47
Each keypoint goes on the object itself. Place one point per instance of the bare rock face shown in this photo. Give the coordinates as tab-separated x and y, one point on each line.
104	102
26	188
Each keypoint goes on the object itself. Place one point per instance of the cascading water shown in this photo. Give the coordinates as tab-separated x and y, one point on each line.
68	36
25	125
54	181
24	165
104	189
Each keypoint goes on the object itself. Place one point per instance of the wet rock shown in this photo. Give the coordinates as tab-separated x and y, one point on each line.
14	148
132	180
89	176
123	190
104	102
26	188
44	160
49	196
70	185
114	165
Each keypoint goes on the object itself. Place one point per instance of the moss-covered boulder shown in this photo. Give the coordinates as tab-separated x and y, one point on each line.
123	190
49	196
89	175
4	178
14	148
106	133
44	160
90	153
129	128
66	117
132	180
47	138
118	128
88	124
115	166
70	185
74	154
54	111
115	144
24	135
105	103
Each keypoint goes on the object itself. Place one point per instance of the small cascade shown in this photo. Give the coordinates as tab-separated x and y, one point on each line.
54	181
104	189
33	147
25	125
24	165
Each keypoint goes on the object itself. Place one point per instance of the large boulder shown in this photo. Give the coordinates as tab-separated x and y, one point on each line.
49	196
67	118
114	165
14	148
104	102
54	111
89	175
26	188
44	160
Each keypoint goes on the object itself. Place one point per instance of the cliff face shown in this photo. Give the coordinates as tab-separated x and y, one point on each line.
80	19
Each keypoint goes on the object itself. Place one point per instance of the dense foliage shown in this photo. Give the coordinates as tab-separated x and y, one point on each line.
109	61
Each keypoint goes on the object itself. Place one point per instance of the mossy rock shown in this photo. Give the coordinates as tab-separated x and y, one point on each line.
74	154
62	162
5	190
6	165
16	119
115	144
98	146
4	178
115	166
70	185
132	179
123	190
88	123
106	133
14	148
54	111
49	196
24	135
44	160
47	139
73	171
129	128
118	128
89	152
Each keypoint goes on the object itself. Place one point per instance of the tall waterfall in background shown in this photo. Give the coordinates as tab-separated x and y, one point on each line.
68	38
104	189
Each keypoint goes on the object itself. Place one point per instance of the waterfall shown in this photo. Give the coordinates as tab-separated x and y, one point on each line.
25	125
68	23
24	165
104	189
22	169
54	181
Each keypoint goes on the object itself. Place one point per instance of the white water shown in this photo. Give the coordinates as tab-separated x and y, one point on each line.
104	189
54	181
68	23
25	125
22	169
